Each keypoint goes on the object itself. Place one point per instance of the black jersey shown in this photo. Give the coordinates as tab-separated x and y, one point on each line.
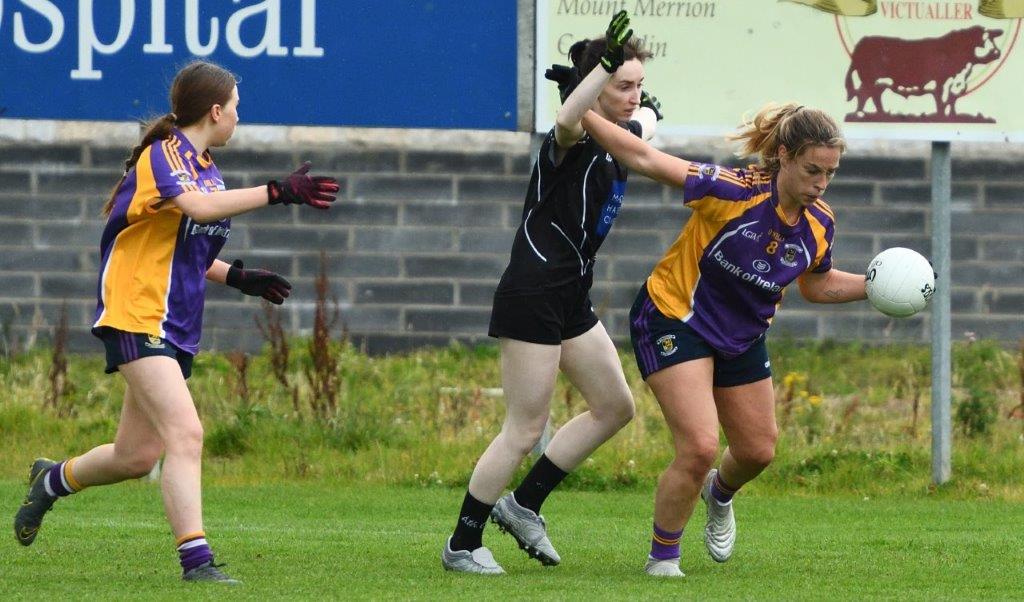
569	209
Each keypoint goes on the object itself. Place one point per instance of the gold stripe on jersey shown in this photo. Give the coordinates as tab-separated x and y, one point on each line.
820	204
818	229
724	173
172	147
136	278
721	210
191	166
205	159
673	282
697	170
145	187
752	177
758	176
170	150
728	176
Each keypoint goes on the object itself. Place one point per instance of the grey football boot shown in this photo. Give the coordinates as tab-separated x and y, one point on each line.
209	572
37	503
720	530
479	562
527	527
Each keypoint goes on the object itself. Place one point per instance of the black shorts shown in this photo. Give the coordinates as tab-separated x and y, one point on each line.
660	342
123	347
544	316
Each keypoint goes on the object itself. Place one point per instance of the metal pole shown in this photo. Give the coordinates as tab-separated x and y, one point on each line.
526	64
942	431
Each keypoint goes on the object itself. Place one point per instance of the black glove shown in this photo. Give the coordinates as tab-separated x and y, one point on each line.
616	37
566	77
259	283
301	189
652	103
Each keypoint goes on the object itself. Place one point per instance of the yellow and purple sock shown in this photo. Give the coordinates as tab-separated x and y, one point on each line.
720	490
193	551
665	544
59	482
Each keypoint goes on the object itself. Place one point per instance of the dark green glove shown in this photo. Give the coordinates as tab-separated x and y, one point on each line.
652	103
566	77
617	35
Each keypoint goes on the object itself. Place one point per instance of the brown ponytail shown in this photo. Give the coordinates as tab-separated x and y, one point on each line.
791	125
157	129
197	87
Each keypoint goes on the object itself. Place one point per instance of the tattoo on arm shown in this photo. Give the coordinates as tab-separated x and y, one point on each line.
833	294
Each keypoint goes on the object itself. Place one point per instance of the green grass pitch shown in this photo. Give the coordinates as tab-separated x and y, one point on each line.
315	540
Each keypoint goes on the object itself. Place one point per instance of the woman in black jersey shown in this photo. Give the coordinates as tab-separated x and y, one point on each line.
542	312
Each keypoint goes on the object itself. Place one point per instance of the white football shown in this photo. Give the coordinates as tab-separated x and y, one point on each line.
900	282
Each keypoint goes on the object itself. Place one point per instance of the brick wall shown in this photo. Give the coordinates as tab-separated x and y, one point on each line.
418	243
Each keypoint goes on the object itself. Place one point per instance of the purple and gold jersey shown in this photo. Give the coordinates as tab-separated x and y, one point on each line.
154	258
725	274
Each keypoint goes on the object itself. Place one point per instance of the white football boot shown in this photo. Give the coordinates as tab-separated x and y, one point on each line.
663	568
720	530
527	527
480	561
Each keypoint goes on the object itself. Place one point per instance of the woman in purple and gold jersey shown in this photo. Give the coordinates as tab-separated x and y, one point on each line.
698	324
167	220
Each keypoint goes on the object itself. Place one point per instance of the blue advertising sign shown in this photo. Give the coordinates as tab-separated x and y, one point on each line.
388	63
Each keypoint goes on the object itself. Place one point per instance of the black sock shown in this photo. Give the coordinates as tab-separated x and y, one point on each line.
539	482
469	531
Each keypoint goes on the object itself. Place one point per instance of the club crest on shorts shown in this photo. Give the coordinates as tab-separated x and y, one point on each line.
667	344
154	342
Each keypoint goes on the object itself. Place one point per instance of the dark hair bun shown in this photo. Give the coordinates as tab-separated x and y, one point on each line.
576	51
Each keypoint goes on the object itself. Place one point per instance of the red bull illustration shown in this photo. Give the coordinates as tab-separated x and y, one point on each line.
884	69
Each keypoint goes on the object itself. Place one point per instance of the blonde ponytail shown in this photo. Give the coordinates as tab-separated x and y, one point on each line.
790	125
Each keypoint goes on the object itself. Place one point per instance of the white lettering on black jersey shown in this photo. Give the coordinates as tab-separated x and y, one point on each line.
568	212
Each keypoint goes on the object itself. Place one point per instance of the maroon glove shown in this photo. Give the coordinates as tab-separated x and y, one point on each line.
259	283
301	189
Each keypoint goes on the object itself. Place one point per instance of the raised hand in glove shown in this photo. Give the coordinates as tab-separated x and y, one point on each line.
258	283
566	77
652	103
617	35
302	189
